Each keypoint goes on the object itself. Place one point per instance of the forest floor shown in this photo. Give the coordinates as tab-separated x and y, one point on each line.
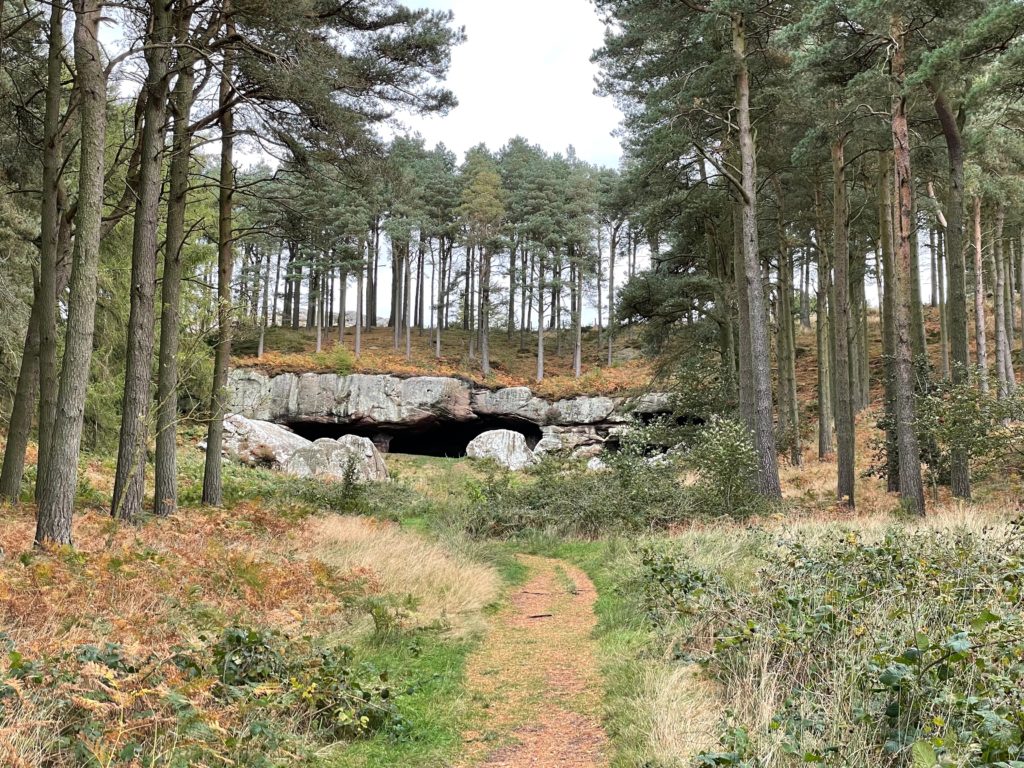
535	676
513	364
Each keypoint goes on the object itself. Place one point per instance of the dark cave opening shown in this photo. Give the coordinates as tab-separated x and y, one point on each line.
445	438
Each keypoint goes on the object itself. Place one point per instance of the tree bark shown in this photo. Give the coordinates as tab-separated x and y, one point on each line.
960	476
20	424
213	492
825	415
50	215
57	495
129	476
540	316
165	500
979	300
485	311
892	457
764	425
911	487
998	304
844	409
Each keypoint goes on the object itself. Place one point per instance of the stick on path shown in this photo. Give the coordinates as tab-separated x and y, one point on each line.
536	678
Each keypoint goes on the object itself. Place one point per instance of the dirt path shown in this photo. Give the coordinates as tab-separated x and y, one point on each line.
535	678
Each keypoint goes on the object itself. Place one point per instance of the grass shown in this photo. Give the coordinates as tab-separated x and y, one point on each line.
440	587
435	710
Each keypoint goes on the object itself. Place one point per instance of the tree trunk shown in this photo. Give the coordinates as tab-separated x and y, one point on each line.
979	300
746	379
407	302
892	458
764	425
613	246
485	311
789	409
577	323
20	425
540	317
960	476
511	292
825	418
844	409
57	495
50	215
998	305
265	309
129	476
212	488
911	487
277	283
940	270
165	500
357	349
296	289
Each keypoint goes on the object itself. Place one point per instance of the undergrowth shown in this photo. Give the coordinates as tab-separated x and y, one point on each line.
905	650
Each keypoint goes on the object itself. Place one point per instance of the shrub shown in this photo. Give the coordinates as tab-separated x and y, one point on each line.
960	416
98	705
903	651
726	464
566	498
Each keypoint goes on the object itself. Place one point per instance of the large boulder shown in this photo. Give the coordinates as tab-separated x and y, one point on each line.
333	459
504	446
260	443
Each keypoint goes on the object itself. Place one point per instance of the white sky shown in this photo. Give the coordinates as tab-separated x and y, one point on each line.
525	70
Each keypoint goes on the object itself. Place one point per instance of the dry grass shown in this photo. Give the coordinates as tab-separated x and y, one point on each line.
680	710
444	587
512	367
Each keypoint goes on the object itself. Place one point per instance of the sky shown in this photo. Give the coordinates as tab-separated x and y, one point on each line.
525	70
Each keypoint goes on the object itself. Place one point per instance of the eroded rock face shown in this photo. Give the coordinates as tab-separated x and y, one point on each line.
391	402
504	446
331	460
557	439
517	402
260	443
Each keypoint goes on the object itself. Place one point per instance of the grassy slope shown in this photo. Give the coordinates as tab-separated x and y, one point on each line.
295	351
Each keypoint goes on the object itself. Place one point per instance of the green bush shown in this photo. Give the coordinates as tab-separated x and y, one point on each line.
726	464
566	498
903	651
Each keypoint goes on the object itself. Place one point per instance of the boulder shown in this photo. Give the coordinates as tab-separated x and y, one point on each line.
504	446
260	443
331	460
596	464
556	439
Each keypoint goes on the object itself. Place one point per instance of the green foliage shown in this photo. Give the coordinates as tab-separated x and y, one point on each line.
903	650
723	456
961	417
284	687
566	498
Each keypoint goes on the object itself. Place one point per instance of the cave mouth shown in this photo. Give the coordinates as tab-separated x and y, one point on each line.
447	439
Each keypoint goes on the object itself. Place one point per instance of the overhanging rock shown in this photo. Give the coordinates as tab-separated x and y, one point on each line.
393	404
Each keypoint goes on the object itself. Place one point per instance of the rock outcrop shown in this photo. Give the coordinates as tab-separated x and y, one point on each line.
391	404
260	443
506	447
348	457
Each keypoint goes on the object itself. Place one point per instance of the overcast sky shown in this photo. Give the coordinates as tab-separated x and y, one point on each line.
525	70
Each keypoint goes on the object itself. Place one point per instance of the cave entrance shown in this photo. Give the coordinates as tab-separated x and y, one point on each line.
445	438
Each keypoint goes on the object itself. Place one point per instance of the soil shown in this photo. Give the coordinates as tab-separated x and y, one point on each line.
536	677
